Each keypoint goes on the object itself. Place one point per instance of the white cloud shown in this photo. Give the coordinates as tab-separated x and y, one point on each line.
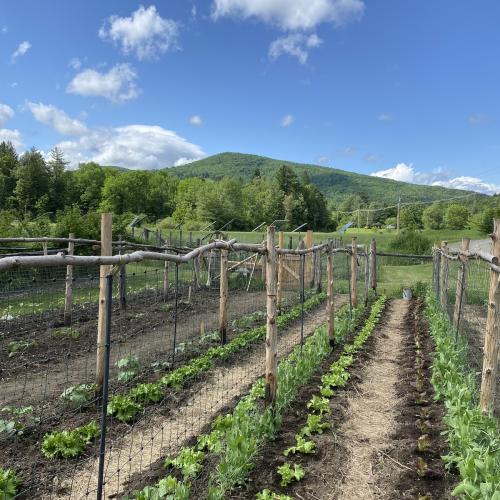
323	160
75	63
21	50
145	33
287	120
132	146
4	30
438	177
196	120
385	117
57	119
370	158
296	45
478	118
291	15
6	113
14	136
13	85
117	84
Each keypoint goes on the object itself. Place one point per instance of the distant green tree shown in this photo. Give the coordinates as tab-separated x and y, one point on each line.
295	210
32	182
456	216
288	181
483	221
411	216
160	194
187	196
317	214
58	180
88	183
263	202
126	192
8	166
433	217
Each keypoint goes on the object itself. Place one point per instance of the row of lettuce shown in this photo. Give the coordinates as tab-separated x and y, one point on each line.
474	438
236	437
71	443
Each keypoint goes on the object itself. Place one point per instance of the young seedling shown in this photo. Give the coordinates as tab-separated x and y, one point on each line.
319	404
314	425
188	461
302	446
128	368
9	483
19	419
123	408
271	495
17	347
79	395
288	474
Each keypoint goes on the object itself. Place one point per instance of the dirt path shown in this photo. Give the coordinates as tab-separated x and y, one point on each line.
372	412
159	435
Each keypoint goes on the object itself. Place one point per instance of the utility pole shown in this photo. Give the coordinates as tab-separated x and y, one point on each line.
399	210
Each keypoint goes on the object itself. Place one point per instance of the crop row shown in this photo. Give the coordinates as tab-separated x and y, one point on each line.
235	437
473	438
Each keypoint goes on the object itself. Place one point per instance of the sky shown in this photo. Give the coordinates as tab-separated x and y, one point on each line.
405	90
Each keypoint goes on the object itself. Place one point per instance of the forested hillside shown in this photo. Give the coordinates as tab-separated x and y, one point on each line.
335	184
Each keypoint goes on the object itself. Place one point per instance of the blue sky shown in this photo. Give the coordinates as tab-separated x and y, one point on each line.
407	90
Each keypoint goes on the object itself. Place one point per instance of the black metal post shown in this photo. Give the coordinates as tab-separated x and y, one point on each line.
105	385
176	309
302	299
349	284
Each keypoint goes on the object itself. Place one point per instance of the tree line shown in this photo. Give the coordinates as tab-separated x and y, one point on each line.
36	193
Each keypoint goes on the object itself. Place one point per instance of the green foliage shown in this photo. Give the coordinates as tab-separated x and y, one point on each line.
483	221
168	488
314	425
9	483
474	438
123	408
188	461
288	474
20	417
69	444
319	404
79	395
302	445
432	216
17	347
412	242
128	368
456	216
147	393
271	495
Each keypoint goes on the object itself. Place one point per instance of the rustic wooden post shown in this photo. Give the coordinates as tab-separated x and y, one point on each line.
166	283
459	292
330	308
354	272
443	286
367	275
106	249
196	272
68	295
45	248
223	296
281	257
309	242
122	281
436	270
373	265
271	327
492	335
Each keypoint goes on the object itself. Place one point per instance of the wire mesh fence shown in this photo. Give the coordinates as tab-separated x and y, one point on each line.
164	323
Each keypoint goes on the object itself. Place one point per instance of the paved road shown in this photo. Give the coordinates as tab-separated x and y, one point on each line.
482	245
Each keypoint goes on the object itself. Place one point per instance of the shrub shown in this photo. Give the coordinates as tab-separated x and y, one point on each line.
412	242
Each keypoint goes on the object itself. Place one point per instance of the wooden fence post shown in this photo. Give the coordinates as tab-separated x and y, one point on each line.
281	257
330	307
122	283
492	335
354	272
271	327
367	275
459	292
373	265
166	270
443	274
309	242
223	296
106	249
68	295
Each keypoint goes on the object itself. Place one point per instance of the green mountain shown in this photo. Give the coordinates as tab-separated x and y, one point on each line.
334	183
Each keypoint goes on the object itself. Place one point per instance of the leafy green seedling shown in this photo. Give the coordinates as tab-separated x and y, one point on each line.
188	461
271	495
128	368
147	393
79	394
17	347
123	408
288	474
9	483
319	404
302	446
20	418
69	444
314	425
